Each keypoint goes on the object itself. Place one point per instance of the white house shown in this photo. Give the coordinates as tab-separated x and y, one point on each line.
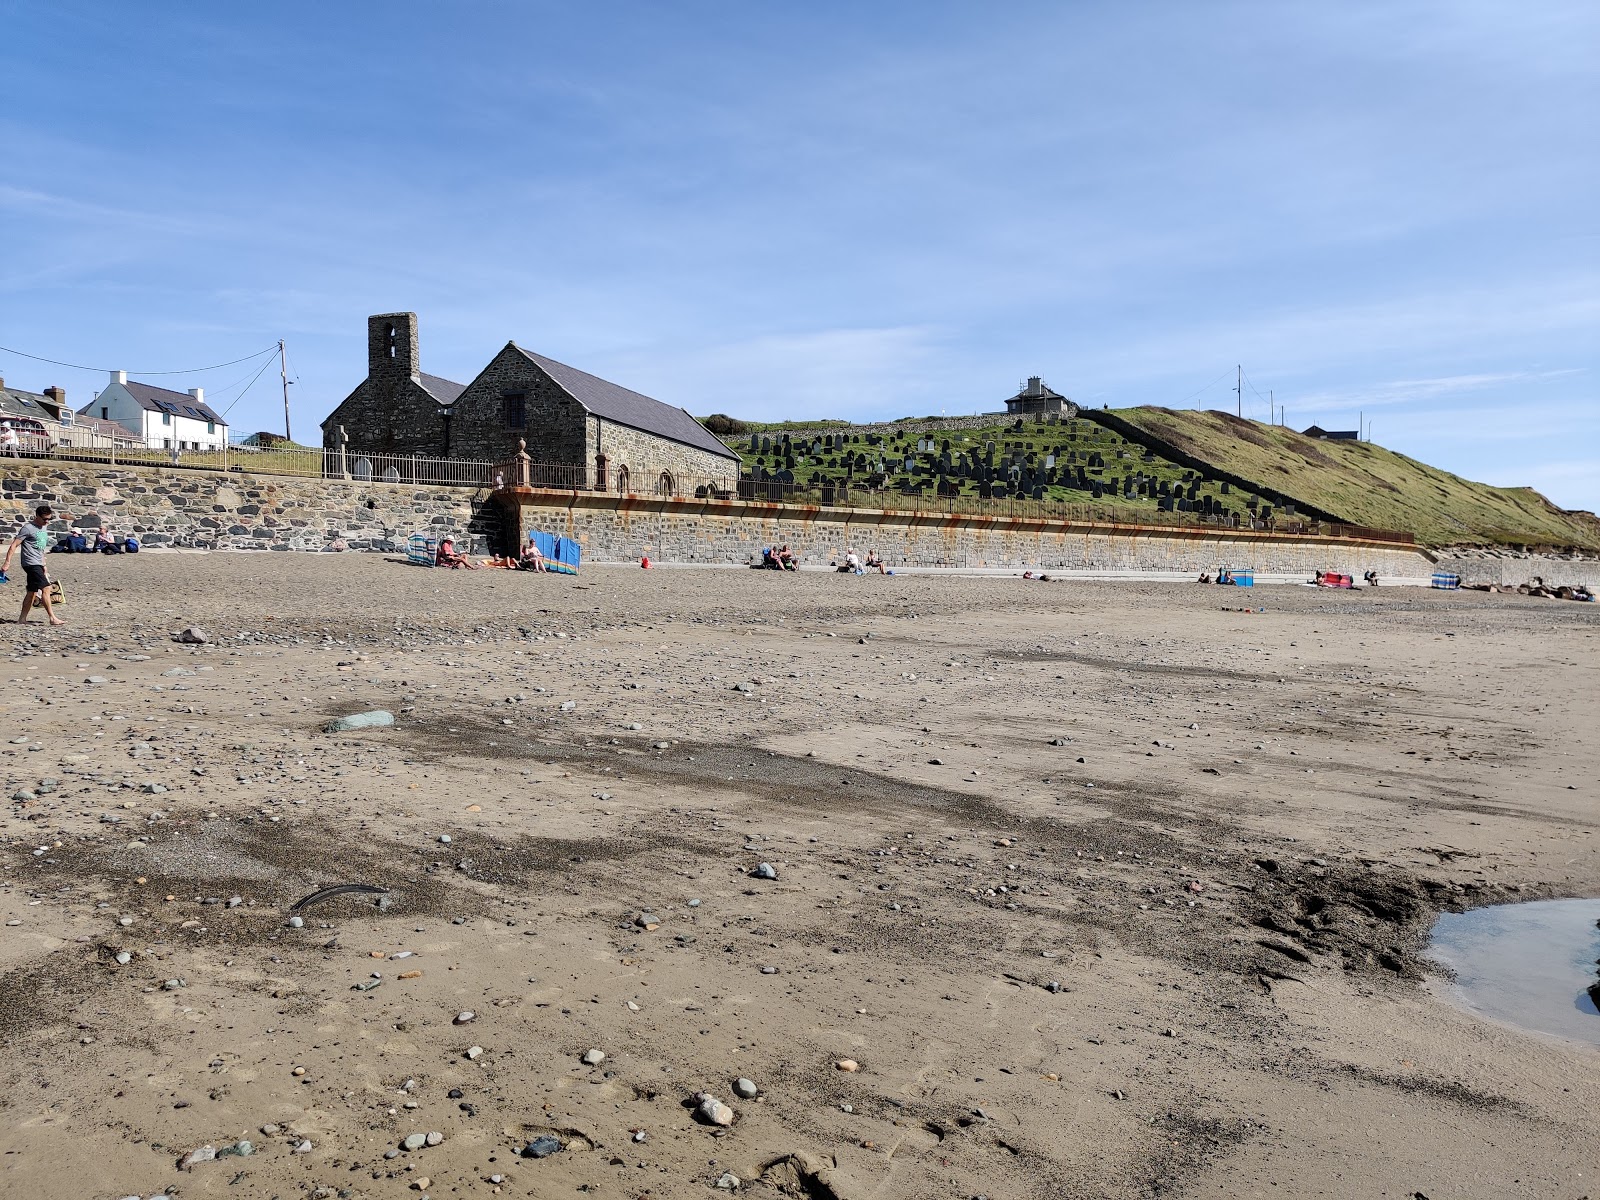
163	420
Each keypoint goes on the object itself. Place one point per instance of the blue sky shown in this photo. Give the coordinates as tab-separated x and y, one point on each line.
832	209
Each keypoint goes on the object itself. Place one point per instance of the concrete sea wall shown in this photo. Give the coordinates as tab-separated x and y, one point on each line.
1509	568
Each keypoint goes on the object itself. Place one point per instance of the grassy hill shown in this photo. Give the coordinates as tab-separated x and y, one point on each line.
1357	482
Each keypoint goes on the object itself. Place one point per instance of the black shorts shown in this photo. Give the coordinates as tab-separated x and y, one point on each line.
38	581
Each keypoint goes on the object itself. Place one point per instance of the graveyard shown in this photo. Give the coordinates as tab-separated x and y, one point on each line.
1009	466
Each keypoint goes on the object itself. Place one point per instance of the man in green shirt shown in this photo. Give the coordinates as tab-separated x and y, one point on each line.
34	541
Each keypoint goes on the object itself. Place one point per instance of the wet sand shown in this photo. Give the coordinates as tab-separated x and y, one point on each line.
1107	889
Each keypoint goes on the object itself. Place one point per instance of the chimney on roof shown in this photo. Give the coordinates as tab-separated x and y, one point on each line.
56	396
120	377
199	395
1035	386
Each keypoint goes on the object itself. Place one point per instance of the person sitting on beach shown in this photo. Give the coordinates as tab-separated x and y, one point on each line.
786	559
852	563
876	563
1205	577
447	557
532	559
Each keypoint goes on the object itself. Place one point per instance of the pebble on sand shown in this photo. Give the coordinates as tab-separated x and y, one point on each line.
375	719
713	1111
848	1064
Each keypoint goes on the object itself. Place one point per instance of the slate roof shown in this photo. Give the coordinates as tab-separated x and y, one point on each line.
14	402
617	403
443	390
155	399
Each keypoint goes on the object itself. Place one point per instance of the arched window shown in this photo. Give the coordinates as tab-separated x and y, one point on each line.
665	485
599	472
623	481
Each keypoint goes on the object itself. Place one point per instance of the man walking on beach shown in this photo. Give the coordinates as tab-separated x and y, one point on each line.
33	539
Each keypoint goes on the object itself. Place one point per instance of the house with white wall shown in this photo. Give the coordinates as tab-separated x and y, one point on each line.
161	419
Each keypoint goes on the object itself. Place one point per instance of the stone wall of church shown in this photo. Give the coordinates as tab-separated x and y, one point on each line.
389	416
646	457
554	424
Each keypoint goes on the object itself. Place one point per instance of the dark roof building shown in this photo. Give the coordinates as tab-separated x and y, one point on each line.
1036	396
1332	435
35	413
585	431
618	404
158	400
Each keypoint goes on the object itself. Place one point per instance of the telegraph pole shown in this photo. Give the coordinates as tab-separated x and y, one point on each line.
1238	388
283	374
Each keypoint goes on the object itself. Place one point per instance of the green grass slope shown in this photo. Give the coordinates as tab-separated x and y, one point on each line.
1363	483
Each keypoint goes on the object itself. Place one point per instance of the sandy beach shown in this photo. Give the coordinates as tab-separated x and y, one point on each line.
1093	889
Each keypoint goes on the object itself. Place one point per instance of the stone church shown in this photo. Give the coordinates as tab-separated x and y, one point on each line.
580	430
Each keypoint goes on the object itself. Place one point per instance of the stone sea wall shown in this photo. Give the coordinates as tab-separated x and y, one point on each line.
623	529
214	510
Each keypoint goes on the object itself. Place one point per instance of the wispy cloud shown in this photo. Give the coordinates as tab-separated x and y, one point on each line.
1423	391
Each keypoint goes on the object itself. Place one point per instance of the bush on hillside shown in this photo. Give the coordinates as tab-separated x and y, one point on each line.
725	426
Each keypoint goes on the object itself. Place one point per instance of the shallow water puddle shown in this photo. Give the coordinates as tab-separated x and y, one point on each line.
1529	965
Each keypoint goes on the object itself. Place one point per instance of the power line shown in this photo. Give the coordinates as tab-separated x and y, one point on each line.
191	371
1207	388
247	387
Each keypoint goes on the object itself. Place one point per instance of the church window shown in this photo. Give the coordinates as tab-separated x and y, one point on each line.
391	338
516	410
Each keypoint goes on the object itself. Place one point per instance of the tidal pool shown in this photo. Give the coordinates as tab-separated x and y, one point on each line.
1529	965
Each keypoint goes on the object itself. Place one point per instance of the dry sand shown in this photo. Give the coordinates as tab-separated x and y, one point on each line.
1108	890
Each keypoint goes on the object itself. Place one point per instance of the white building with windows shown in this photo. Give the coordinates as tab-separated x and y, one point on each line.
161	419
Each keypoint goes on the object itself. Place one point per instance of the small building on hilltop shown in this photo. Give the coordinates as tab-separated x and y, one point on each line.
588	432
1036	397
1332	435
159	418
